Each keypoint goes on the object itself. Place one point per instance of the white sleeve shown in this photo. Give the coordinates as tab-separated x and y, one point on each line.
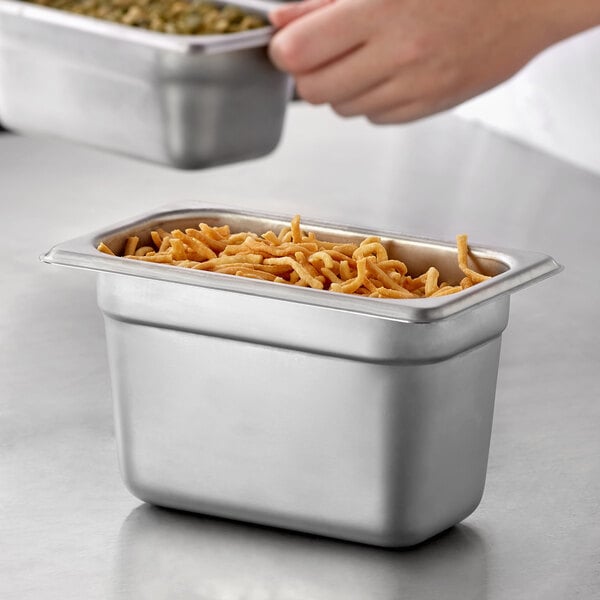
552	104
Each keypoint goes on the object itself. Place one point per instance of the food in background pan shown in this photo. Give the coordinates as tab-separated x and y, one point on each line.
299	258
184	17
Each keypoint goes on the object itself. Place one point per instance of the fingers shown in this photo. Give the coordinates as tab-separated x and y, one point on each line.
381	99
396	101
420	107
282	16
406	113
318	37
344	79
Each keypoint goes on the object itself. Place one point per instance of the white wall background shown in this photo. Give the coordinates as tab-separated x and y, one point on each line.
553	103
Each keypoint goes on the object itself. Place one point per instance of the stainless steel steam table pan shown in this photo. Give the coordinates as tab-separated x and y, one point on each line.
358	418
183	101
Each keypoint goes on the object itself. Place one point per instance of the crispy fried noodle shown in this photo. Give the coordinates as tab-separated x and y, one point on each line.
294	257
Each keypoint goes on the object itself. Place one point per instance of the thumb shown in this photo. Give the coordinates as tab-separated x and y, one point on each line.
284	15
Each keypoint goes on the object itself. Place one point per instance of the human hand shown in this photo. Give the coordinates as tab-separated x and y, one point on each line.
399	60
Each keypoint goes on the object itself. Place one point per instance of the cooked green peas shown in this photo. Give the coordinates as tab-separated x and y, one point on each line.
183	17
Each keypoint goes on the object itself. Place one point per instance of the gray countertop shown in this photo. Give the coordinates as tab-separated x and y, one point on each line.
70	529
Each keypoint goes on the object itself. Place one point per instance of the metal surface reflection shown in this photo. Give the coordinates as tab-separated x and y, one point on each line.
170	554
